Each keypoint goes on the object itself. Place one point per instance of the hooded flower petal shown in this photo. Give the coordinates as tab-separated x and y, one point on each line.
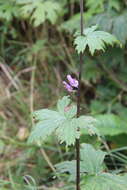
68	87
73	82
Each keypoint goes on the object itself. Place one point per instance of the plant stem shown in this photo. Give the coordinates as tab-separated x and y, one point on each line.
78	105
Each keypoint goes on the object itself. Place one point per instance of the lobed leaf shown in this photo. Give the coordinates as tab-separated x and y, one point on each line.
59	122
94	40
8	9
87	123
45	114
68	132
39	11
43	129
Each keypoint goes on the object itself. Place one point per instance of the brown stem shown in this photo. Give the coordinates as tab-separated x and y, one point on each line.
78	105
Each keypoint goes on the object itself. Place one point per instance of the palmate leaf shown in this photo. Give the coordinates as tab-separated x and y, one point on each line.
61	122
39	11
95	40
8	9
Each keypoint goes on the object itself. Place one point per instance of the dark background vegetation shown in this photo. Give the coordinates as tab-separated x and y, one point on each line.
36	54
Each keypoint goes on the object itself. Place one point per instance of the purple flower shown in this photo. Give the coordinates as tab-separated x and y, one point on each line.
73	82
68	87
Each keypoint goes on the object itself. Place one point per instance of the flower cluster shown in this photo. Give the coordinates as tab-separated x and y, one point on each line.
73	83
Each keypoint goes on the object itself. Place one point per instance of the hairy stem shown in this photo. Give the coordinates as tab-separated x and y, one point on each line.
78	106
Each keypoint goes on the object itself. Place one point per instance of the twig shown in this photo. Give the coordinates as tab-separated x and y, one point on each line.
47	160
26	70
32	81
5	70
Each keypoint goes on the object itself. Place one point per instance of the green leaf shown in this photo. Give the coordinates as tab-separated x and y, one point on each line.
87	123
39	11
53	10
45	114
97	106
68	132
95	6
93	177
91	162
60	122
114	4
95	40
62	103
67	166
112	22
120	27
64	107
45	128
110	124
120	110
104	181
92	159
8	9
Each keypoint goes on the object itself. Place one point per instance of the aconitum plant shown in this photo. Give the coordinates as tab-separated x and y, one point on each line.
67	123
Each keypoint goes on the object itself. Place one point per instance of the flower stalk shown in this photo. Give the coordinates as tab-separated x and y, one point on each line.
78	104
